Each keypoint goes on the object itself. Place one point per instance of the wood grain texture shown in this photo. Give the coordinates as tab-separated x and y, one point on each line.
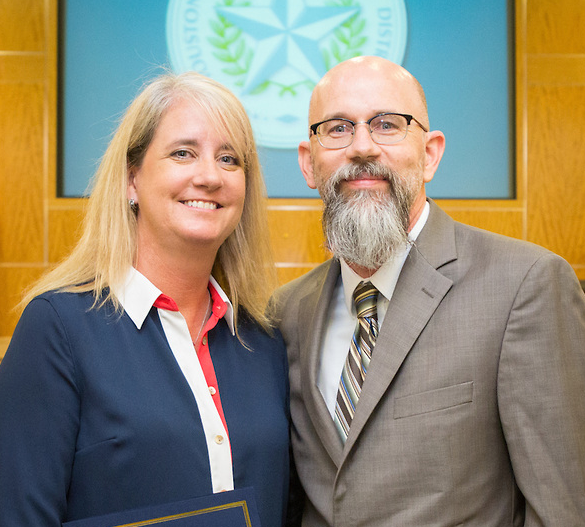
22	68
556	164
22	25
555	26
295	230
24	78
21	169
64	230
557	69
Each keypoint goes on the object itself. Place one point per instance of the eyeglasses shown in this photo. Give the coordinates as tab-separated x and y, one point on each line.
385	129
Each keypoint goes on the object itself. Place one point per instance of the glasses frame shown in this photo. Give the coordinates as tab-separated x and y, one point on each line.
409	118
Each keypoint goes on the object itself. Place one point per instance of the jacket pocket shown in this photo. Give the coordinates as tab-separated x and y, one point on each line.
433	400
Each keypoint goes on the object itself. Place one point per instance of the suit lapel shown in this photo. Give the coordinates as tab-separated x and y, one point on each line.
419	291
312	322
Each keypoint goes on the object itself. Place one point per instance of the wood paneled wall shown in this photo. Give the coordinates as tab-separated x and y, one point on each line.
37	229
554	96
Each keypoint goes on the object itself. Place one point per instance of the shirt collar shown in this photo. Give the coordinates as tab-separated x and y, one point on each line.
229	314
385	278
138	294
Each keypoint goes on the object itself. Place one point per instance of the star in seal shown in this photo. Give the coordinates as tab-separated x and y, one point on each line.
290	29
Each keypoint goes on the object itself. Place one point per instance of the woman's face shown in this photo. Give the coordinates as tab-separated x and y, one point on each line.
190	187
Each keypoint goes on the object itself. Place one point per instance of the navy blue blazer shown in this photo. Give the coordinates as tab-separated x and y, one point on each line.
96	415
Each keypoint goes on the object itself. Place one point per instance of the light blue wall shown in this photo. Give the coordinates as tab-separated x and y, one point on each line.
458	51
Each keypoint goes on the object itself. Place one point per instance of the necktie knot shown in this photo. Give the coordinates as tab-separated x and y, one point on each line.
365	298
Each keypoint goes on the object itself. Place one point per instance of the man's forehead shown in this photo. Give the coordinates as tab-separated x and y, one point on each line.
362	98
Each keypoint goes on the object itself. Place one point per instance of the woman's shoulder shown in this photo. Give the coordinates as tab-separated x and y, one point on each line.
64	302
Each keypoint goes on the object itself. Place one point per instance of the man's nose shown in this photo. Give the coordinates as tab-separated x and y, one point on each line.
363	146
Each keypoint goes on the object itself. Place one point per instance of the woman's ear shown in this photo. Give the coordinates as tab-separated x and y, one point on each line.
131	188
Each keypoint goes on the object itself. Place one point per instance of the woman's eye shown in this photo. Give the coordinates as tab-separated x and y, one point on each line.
229	160
181	154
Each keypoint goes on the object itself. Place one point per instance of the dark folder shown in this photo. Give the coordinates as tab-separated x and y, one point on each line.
236	508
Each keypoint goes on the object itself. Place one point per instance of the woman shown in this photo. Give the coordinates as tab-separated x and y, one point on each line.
143	370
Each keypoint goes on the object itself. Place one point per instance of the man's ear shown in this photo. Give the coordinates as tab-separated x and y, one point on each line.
306	164
434	149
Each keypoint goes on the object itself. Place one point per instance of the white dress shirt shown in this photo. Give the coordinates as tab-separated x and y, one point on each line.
342	317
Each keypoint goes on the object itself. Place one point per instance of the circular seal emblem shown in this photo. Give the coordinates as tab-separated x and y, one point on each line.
271	53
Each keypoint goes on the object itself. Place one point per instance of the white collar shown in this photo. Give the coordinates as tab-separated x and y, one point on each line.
138	295
385	278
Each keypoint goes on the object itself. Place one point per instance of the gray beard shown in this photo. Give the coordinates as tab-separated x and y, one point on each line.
367	228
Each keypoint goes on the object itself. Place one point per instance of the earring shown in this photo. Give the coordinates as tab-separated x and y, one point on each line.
133	205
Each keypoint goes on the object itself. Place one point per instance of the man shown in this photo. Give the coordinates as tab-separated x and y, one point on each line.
472	410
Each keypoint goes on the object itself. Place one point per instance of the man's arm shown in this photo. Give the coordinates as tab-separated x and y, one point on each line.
541	385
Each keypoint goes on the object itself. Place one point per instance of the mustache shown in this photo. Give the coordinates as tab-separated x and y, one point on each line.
365	170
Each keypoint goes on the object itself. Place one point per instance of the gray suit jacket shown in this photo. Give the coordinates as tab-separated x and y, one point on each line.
473	410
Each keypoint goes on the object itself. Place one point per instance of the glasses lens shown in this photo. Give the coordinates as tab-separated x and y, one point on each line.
389	128
335	133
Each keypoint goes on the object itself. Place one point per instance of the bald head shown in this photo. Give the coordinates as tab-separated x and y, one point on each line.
374	76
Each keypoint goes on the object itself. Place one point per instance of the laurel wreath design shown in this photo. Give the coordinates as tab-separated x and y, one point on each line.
347	38
231	48
230	45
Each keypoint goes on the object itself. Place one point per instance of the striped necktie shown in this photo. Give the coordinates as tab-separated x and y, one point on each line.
365	298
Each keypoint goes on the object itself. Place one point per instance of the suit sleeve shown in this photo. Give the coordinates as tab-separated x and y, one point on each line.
39	416
541	385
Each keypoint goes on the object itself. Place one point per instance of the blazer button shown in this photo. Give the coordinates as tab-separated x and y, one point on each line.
212	390
219	439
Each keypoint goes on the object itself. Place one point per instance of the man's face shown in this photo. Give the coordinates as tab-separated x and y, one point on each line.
359	95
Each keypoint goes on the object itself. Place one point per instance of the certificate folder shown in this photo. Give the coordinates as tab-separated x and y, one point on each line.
236	508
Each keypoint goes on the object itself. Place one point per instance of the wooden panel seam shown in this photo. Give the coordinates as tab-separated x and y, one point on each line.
555	69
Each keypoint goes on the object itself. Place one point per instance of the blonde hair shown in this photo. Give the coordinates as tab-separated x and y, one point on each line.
107	248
